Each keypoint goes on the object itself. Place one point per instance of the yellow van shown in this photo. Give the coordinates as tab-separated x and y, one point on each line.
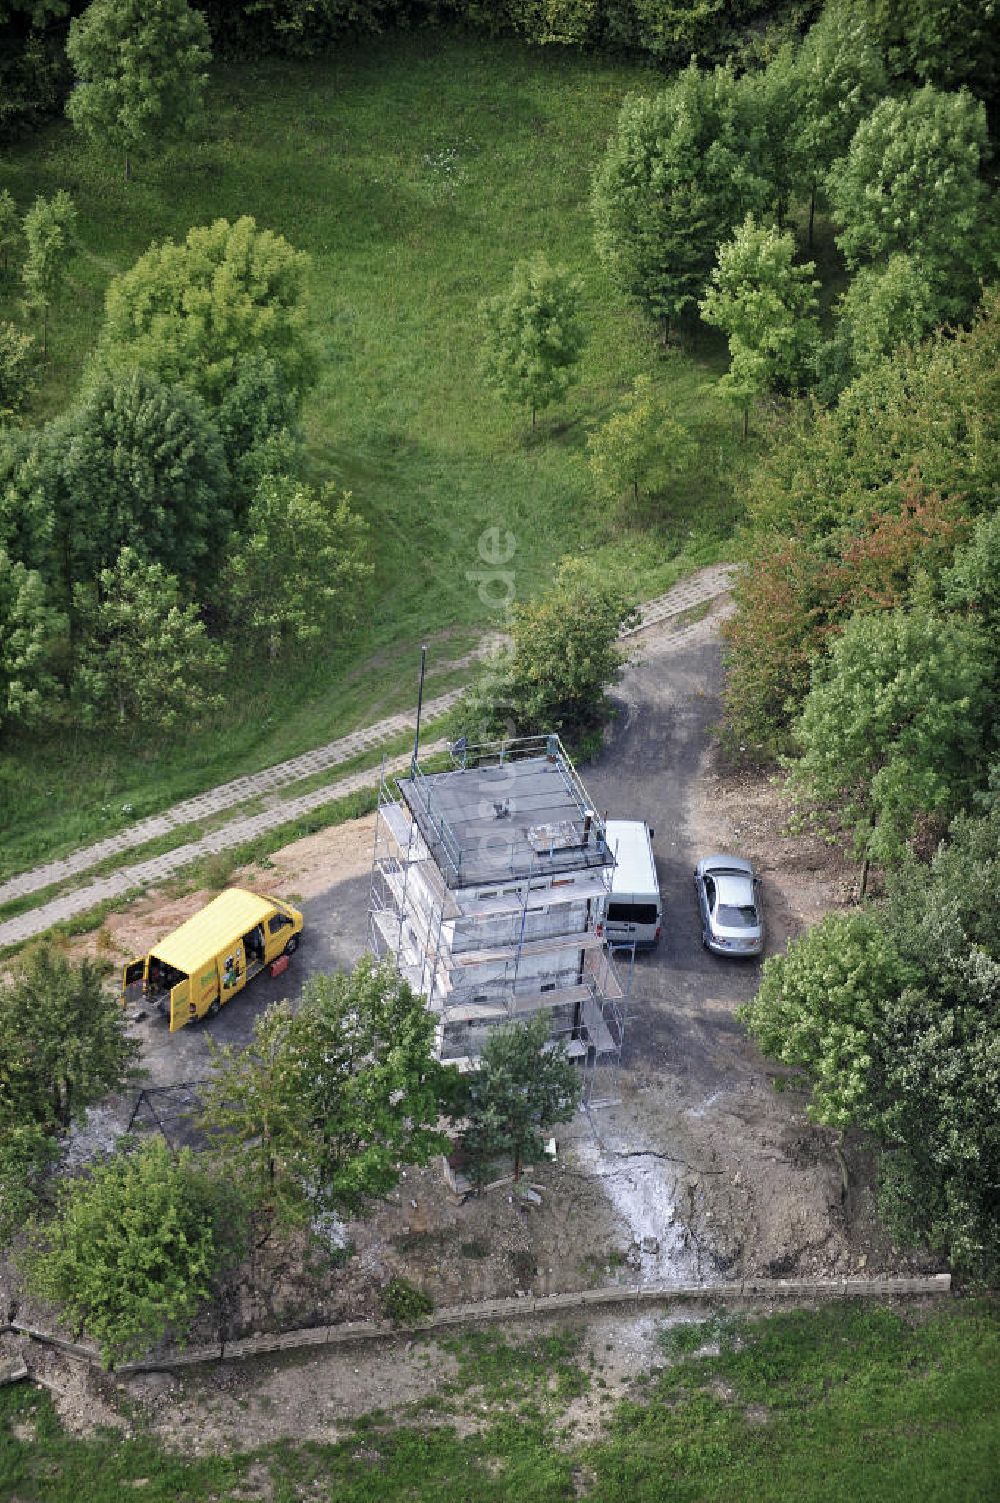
205	962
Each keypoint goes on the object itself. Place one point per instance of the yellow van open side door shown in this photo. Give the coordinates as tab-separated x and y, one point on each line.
233	972
181	1010
133	981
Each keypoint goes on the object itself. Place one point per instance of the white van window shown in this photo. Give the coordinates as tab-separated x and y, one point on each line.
632	913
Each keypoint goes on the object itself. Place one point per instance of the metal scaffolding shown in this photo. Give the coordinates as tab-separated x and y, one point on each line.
492	908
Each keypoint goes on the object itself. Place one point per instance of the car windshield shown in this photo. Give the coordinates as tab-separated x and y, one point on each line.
728	917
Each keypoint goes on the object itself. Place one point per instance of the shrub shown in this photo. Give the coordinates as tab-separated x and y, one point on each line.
404	1303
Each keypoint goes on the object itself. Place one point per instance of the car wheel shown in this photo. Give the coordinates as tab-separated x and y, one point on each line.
213	1008
292	945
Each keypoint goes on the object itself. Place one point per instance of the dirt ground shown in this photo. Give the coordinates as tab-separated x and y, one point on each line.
697	1170
316	1395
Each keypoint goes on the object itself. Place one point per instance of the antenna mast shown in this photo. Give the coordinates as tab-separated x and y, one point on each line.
420	703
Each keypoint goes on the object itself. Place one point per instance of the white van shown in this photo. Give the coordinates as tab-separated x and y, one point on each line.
635	912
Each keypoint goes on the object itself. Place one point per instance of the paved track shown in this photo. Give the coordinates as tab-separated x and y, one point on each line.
697	590
236	832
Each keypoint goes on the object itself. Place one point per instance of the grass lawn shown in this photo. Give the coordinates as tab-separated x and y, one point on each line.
849	1403
416	171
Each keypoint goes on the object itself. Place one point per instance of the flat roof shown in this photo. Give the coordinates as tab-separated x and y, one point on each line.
493	824
635	868
226	918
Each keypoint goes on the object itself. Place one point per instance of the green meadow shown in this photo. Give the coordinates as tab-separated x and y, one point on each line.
845	1405
415	171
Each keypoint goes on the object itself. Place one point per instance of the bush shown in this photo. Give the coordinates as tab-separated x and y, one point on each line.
135	1247
404	1303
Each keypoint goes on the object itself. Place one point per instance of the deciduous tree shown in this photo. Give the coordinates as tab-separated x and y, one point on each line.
135	1247
640	447
63	1043
911	181
256	422
523	1087
896	725
767	306
950	43
31	636
298	568
533	335
140	73
839	75
681	171
328	1103
564	655
193	313
29	470
819	1007
17	373
938	1103
27	1154
891	1015
146	664
885	306
140	465
972	584
48	234
10	227
849	506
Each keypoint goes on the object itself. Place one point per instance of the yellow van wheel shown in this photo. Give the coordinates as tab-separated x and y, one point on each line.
292	945
213	1008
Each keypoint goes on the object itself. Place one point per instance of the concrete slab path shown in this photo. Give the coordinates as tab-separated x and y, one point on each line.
698	589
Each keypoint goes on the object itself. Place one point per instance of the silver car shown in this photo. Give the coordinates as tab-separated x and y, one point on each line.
729	899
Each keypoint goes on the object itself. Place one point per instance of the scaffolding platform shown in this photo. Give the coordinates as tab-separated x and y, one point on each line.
489	889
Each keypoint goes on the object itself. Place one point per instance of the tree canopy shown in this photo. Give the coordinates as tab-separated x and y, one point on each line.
140	72
135	1247
533	335
641	446
147	665
10	227
767	306
192	313
524	1086
327	1104
62	1041
48	236
891	1015
681	171
563	657
17	368
838	76
911	181
950	43
31	636
896	724
63	1047
322	545
140	464
859	507
885	306
818	1007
